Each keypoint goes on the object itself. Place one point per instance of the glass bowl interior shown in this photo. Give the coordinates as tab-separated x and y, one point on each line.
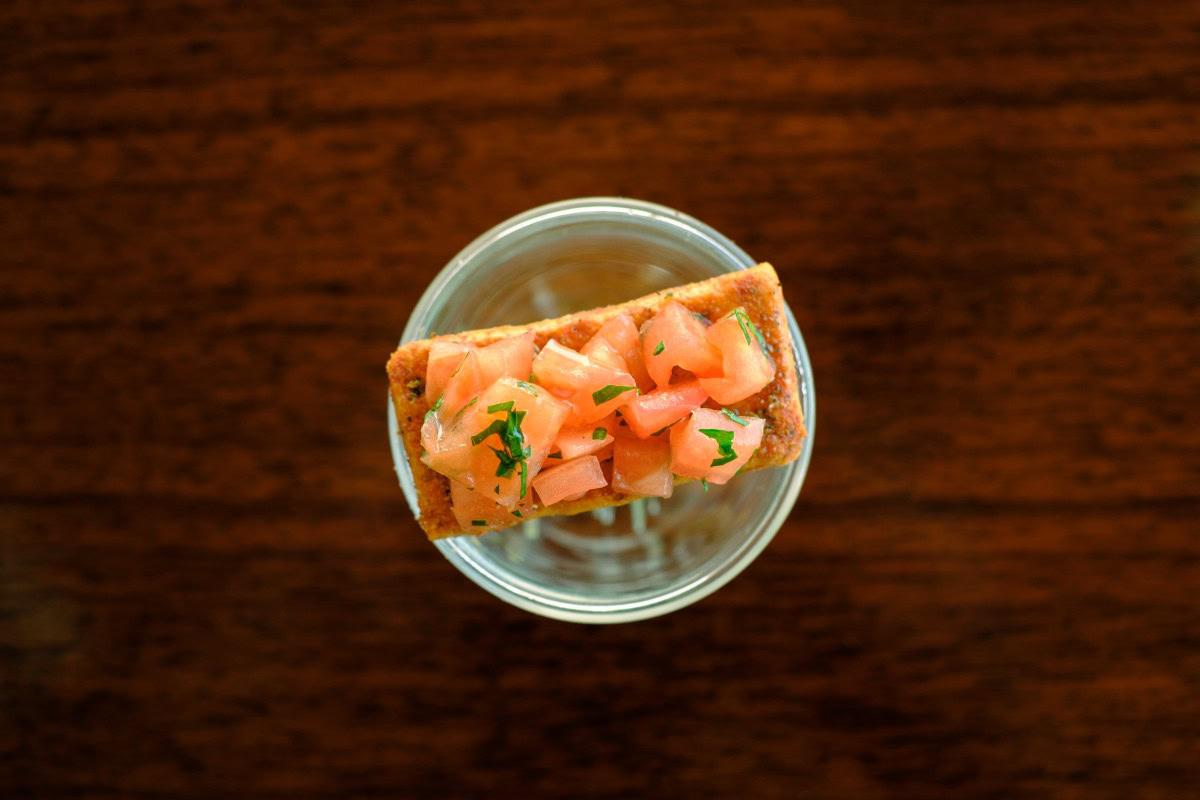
651	556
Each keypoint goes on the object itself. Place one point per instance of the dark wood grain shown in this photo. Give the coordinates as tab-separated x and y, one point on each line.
216	217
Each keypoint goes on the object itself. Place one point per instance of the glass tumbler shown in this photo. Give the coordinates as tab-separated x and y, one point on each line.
652	556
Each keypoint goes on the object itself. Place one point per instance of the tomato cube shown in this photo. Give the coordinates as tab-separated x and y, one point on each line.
745	366
643	467
676	338
593	390
573	477
714	446
650	413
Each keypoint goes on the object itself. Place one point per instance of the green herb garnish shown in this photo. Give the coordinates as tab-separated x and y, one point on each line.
660	348
599	433
474	400
701	317
496	488
507	464
515	451
704	483
742	318
723	437
724	440
514	437
436	406
762	343
528	386
747	325
497	426
610	391
479	523
518	514
734	417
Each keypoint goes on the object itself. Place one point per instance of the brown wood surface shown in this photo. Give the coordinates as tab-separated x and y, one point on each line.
216	217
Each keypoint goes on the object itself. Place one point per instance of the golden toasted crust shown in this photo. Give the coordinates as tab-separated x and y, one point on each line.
756	290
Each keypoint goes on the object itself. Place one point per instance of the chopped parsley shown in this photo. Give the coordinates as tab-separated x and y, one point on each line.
436	406
701	317
724	440
518	514
599	433
528	386
660	348
733	416
747	325
507	463
512	456
610	391
497	426
479	523
704	483
460	412
742	318
500	407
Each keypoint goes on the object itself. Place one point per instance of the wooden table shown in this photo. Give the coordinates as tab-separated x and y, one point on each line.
215	219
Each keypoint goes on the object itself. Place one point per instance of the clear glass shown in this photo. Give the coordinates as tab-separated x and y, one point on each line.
652	556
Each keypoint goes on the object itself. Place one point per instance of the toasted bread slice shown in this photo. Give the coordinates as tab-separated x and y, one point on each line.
756	289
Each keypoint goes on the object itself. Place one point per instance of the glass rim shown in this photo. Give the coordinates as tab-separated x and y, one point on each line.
726	563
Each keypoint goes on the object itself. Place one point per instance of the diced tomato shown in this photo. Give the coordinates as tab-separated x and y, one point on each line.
447	448
571	478
746	368
643	467
601	352
692	451
605	453
676	338
594	391
471	508
543	416
622	335
464	385
580	440
511	357
444	358
559	368
652	412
